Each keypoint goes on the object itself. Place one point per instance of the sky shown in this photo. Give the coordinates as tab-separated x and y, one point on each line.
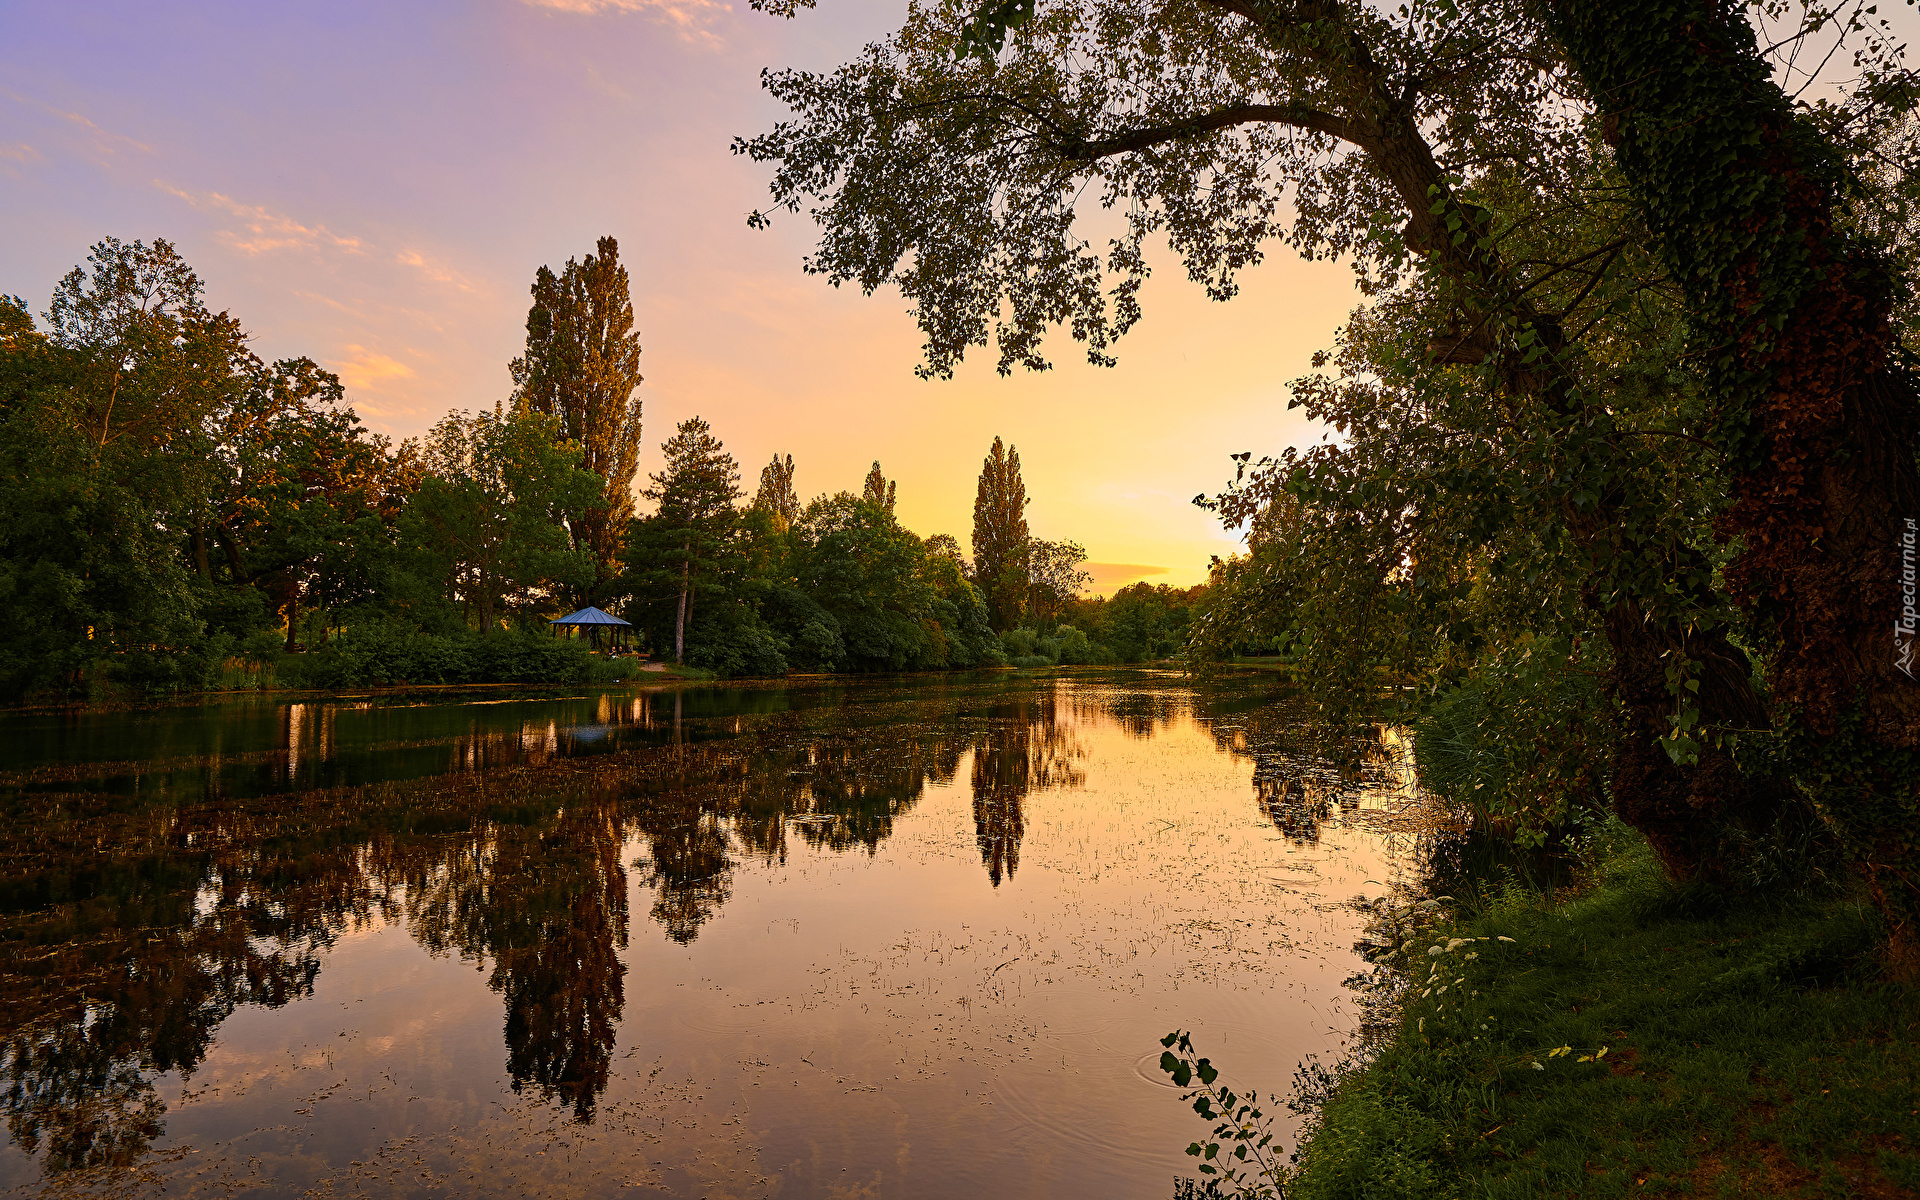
373	185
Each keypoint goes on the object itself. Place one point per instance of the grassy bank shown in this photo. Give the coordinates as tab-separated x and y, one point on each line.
1635	1041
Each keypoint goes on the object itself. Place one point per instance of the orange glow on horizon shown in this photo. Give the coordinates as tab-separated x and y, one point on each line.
391	233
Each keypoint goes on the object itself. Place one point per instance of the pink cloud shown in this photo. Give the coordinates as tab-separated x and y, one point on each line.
367	368
263	230
690	17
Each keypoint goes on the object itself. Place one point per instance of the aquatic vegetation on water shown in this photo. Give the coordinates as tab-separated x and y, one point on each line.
695	946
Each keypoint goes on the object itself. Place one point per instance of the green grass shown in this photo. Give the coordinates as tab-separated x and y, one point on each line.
673	670
1751	1050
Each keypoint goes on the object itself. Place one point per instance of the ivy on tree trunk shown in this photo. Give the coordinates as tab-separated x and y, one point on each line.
1813	409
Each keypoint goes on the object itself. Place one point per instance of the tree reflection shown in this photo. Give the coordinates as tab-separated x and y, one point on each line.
688	867
1305	774
132	977
1140	715
1024	748
546	900
1297	805
836	793
132	929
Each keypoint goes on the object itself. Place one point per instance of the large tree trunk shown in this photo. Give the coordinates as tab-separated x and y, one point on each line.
1700	815
234	573
1817	421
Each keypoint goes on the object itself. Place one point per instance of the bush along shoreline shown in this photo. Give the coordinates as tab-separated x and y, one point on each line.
357	659
394	655
1623	1037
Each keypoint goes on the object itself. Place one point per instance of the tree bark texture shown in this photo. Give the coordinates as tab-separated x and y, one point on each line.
1815	414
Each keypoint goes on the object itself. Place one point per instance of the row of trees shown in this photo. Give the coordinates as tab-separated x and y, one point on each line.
771	584
170	503
1629	419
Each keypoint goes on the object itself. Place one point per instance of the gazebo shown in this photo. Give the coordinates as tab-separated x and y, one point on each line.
594	622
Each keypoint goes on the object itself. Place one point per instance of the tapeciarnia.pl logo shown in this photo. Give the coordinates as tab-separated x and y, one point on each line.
1904	627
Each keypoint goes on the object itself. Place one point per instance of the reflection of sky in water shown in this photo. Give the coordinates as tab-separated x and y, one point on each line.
871	940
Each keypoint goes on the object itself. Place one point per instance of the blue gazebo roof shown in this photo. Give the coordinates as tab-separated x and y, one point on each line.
591	616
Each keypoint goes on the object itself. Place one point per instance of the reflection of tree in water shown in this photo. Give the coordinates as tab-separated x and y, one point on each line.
1305	775
132	975
835	793
546	899
1024	748
1297	804
79	1078
688	866
564	986
131	941
1138	714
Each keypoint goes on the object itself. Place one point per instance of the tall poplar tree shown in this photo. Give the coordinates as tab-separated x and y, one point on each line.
1000	536
776	495
878	489
582	365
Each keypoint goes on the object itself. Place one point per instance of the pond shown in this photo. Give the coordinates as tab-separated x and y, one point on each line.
903	938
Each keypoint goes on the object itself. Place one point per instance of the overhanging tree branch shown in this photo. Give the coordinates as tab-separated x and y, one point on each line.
1230	117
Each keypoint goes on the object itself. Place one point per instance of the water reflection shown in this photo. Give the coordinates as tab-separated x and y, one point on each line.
547	902
249	748
220	908
688	868
140	920
1026	748
1307	777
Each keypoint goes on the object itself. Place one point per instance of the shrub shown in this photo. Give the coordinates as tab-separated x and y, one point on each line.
1019	644
364	655
1520	741
730	639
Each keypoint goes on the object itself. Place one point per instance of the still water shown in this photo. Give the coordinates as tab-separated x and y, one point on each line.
908	938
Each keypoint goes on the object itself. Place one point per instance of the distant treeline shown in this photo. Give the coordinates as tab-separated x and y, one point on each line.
176	513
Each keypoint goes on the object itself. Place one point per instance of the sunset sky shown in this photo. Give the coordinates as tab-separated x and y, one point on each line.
374	185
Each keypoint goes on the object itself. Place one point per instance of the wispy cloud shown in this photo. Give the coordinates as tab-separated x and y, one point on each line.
261	229
606	87
692	18
19	152
434	270
364	367
104	143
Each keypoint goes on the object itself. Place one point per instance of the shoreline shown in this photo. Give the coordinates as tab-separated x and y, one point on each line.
655	675
1626	1037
